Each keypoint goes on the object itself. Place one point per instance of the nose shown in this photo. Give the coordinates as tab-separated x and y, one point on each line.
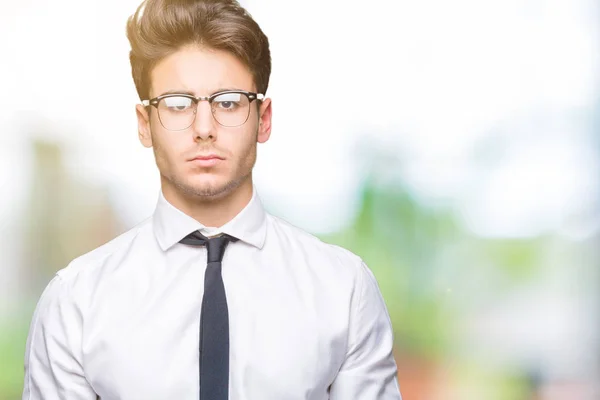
204	124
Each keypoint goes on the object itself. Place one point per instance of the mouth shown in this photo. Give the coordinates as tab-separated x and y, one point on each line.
207	160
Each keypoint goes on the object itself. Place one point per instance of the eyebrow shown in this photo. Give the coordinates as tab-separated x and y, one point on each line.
190	93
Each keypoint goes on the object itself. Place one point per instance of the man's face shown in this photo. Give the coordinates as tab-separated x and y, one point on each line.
202	72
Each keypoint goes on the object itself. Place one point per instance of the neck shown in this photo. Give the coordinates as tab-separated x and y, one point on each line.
212	211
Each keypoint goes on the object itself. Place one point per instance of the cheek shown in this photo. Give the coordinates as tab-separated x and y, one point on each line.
166	148
233	140
246	147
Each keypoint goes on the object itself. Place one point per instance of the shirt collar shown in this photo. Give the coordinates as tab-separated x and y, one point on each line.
171	224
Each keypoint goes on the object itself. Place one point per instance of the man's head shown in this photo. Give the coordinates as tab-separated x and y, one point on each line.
199	48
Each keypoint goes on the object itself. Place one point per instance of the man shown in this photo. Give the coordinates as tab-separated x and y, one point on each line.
211	297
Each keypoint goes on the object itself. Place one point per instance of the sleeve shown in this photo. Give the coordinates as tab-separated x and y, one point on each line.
369	371
53	366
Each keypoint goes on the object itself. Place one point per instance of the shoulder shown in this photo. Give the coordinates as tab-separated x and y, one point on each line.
343	273
93	259
293	239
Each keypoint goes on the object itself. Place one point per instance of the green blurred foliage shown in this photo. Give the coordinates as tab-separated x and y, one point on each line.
399	240
13	335
429	266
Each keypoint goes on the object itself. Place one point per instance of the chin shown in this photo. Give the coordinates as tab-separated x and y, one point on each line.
209	188
206	184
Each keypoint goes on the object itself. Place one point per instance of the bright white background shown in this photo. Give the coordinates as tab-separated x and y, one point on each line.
429	81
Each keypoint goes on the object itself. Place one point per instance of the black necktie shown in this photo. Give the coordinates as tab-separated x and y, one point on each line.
214	320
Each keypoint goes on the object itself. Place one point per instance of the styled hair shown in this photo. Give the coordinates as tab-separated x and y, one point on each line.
160	28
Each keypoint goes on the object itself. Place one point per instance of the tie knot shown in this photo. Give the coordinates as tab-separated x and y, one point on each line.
215	246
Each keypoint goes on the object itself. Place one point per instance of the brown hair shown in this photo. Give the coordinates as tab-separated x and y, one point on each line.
161	27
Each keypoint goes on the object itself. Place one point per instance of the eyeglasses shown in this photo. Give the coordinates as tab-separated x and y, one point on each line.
177	112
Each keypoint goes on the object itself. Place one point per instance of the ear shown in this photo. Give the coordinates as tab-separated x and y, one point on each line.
143	119
264	121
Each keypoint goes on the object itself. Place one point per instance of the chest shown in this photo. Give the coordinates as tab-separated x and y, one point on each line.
284	342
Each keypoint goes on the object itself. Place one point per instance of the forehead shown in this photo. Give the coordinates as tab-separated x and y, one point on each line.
201	71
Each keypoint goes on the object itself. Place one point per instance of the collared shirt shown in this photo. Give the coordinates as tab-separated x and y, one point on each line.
307	320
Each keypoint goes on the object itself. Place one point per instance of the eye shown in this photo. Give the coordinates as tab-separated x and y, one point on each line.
176	104
228	101
226	104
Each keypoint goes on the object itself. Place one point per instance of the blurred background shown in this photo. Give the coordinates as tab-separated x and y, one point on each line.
455	146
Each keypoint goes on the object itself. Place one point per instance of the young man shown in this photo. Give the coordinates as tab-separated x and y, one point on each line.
211	297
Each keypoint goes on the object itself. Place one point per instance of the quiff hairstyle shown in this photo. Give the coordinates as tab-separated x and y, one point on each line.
160	28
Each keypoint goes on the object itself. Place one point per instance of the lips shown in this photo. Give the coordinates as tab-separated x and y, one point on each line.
207	157
206	160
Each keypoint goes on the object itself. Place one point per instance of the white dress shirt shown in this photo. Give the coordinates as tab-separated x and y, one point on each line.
306	318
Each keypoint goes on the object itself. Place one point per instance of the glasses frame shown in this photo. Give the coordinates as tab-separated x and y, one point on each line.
250	95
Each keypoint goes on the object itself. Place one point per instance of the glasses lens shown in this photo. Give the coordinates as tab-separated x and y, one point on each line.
176	112
231	109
